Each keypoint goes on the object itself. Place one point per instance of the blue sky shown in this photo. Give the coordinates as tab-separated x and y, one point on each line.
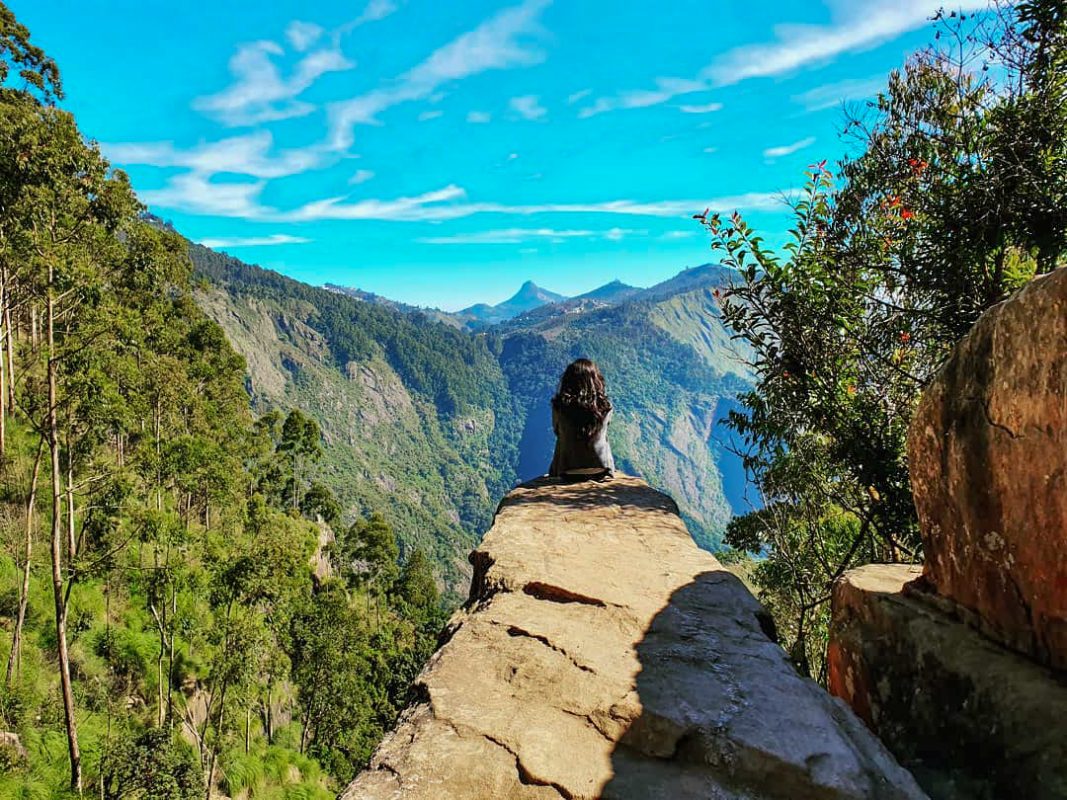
442	153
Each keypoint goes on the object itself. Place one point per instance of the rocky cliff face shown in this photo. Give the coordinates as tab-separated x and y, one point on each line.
602	654
959	667
988	460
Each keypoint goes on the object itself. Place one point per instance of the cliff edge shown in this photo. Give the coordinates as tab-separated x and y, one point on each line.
602	654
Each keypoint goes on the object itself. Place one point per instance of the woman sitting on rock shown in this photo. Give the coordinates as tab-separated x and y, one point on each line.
580	415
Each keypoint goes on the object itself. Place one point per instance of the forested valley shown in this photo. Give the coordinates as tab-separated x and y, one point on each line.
183	609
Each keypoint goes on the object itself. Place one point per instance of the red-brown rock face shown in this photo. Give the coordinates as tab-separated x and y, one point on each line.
988	461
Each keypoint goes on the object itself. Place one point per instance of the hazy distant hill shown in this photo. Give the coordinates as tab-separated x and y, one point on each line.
369	297
529	296
431	424
614	292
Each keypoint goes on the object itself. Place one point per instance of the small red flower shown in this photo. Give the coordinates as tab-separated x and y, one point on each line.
907	213
905	337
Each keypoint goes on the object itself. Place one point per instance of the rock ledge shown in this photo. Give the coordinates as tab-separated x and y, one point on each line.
602	654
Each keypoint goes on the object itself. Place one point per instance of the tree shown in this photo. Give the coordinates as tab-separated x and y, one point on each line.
301	440
953	202
18	56
320	501
416	587
344	709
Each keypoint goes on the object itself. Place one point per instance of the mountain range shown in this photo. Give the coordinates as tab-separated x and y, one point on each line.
430	417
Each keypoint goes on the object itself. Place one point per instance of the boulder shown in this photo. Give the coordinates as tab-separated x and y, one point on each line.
972	719
603	655
987	453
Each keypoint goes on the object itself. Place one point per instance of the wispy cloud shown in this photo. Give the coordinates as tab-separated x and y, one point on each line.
374	11
832	95
707	108
426	116
259	92
666	89
196	193
671	236
507	236
574	97
788	149
302	35
360	176
500	42
858	26
528	107
522	235
253	241
451	202
479	117
249	154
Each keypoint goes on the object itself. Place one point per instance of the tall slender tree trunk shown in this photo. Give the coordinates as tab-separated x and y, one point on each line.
215	744
10	352
3	372
57	553
72	544
14	659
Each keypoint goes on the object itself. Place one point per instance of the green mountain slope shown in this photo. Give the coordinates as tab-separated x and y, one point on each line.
414	413
431	425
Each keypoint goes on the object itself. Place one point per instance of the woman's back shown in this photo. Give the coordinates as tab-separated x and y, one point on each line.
580	415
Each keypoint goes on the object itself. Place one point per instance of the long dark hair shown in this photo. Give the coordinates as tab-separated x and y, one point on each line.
582	397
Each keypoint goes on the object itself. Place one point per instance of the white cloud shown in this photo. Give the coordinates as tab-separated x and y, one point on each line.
788	149
501	42
858	26
361	176
618	234
248	154
832	95
528	107
666	89
259	93
451	202
508	236
710	150
196	193
707	108
675	235
376	10
426	116
479	117
576	96
302	35
521	235
253	241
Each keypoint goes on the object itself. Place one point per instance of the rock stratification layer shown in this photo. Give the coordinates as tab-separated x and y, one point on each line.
602	654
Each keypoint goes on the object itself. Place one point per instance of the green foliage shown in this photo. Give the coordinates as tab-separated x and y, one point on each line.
157	542
154	764
29	62
416	587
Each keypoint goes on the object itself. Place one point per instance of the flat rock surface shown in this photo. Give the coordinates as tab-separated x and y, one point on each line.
975	720
603	655
988	457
